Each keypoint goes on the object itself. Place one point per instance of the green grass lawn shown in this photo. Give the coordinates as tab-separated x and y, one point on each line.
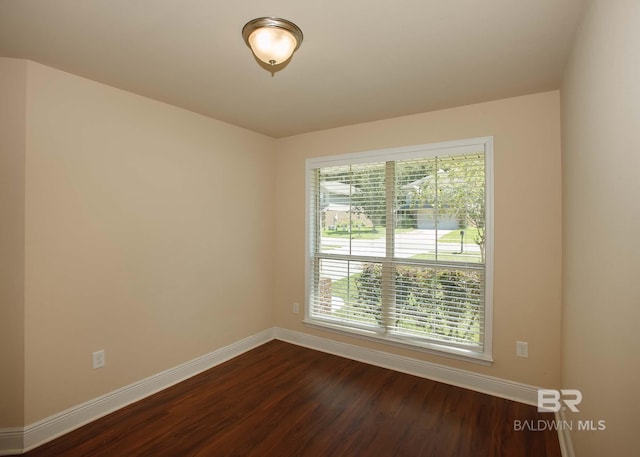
364	234
470	236
342	287
450	257
368	233
346	289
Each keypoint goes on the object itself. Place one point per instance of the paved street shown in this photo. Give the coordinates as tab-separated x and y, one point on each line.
408	244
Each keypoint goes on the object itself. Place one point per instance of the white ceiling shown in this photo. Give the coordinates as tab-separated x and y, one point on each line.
360	60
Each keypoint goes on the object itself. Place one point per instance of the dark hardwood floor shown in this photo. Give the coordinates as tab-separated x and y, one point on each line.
284	400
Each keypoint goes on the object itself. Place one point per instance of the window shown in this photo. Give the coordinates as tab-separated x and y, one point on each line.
400	246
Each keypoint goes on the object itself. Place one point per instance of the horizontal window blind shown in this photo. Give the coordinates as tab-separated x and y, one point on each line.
398	245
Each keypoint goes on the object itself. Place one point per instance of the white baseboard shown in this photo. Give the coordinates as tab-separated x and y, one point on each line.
564	436
11	441
480	383
19	440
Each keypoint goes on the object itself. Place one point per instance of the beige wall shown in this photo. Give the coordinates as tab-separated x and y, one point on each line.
148	234
145	223
527	285
601	181
12	143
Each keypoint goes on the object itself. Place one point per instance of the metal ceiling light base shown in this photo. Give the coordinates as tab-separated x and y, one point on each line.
272	40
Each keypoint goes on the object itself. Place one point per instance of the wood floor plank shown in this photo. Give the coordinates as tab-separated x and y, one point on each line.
284	400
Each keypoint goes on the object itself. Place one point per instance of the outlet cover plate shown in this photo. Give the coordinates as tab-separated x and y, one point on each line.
98	359
522	349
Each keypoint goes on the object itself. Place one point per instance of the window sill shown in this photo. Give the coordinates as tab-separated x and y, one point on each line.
429	348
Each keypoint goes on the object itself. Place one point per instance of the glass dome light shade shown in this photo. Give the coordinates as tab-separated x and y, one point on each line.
272	40
272	45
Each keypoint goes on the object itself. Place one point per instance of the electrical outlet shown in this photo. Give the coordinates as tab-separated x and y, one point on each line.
522	349
296	308
98	359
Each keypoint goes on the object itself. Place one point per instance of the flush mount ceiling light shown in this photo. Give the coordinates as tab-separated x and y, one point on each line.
272	40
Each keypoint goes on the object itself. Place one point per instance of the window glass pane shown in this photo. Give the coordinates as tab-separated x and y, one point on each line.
416	229
438	303
440	209
352	208
461	203
397	245
343	295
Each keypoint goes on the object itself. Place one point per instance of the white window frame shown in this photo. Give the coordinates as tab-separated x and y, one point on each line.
471	145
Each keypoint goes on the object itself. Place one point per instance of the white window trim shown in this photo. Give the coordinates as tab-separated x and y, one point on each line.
484	357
